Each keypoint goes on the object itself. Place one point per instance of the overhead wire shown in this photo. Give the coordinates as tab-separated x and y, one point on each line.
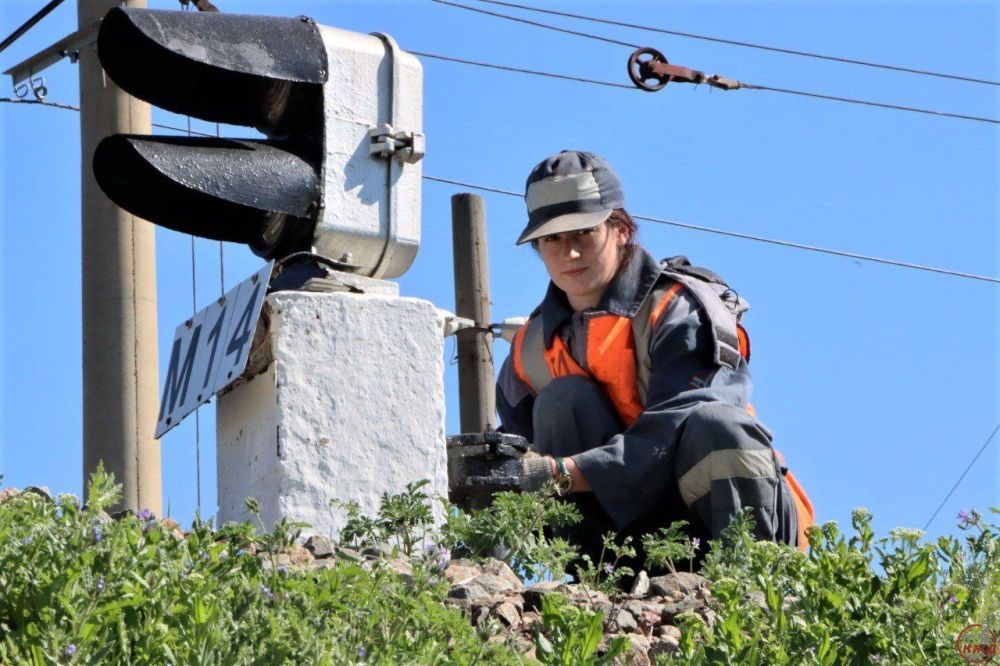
960	478
733	42
519	70
29	24
748	86
197	410
685	225
759	239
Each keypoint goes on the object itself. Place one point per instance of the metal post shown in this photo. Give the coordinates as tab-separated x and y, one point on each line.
472	301
120	369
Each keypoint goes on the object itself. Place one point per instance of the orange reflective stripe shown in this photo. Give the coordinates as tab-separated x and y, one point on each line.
744	337
518	363
559	361
611	359
654	316
803	508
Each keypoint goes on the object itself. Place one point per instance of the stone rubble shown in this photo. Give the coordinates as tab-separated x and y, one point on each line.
490	592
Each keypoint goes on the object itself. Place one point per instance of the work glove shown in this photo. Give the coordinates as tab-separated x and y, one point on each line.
535	473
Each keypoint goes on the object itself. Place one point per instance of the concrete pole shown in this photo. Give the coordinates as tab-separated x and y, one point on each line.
477	399
120	368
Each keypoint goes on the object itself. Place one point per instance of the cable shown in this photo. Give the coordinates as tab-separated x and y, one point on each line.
751	86
733	42
760	239
534	72
70	107
29	24
880	105
974	459
684	225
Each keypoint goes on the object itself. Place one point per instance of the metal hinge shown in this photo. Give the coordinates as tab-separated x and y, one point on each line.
406	147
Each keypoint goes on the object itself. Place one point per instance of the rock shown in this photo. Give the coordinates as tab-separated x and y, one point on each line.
320	546
464	605
502	570
381	551
623	620
669	585
664	645
7	493
648	620
709	616
530	620
461	571
295	555
483	585
402	567
590	599
640	588
480	615
672	610
325	563
506	612
533	595
635	655
667	631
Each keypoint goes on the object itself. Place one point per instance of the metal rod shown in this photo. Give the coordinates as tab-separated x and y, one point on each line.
120	369
472	300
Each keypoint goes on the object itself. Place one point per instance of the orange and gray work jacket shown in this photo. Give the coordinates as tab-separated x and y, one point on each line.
664	340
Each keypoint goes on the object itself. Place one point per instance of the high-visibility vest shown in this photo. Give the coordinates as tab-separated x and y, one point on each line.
617	355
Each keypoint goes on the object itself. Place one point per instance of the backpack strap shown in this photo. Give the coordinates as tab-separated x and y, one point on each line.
649	312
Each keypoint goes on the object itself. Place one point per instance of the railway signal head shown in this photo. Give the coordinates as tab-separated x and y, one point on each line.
338	168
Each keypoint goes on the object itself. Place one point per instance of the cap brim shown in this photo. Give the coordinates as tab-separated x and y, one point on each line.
564	224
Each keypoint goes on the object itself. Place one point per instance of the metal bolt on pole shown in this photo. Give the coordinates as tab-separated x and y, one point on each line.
472	301
120	370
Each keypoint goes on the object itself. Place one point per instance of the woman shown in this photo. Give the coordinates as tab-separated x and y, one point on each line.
631	378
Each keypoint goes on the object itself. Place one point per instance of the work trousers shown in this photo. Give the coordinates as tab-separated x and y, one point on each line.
723	463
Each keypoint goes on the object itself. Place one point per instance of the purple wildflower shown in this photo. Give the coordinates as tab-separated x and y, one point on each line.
695	543
27	541
953	600
609	568
361	652
266	591
100	585
437	556
70	650
283	570
241	552
146	514
963	515
98	534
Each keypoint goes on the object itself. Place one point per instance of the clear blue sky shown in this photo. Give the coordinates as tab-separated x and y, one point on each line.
879	382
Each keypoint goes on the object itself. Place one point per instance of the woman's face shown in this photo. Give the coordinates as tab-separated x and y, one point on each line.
583	263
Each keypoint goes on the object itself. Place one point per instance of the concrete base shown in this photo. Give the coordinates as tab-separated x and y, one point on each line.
351	407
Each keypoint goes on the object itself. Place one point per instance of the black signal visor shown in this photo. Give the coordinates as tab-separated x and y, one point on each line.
255	71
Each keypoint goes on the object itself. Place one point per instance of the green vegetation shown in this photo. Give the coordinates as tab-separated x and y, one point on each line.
80	588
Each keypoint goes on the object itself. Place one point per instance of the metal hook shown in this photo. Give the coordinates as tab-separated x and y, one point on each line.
38	87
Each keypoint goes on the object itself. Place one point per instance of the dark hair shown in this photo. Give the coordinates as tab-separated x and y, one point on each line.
620	219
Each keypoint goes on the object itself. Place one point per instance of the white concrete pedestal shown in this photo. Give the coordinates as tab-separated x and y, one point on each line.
352	406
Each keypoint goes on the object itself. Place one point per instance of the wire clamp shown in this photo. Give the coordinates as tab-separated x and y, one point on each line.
406	147
650	71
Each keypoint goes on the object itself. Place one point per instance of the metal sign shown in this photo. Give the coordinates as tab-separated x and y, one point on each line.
210	350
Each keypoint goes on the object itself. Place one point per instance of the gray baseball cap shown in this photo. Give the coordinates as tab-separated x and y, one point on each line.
571	191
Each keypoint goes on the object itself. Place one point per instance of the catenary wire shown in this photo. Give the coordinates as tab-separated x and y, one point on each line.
29	24
520	70
684	225
518	19
881	105
733	42
751	237
749	86
960	478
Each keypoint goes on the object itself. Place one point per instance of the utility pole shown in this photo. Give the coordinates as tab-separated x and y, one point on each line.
472	301
120	368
